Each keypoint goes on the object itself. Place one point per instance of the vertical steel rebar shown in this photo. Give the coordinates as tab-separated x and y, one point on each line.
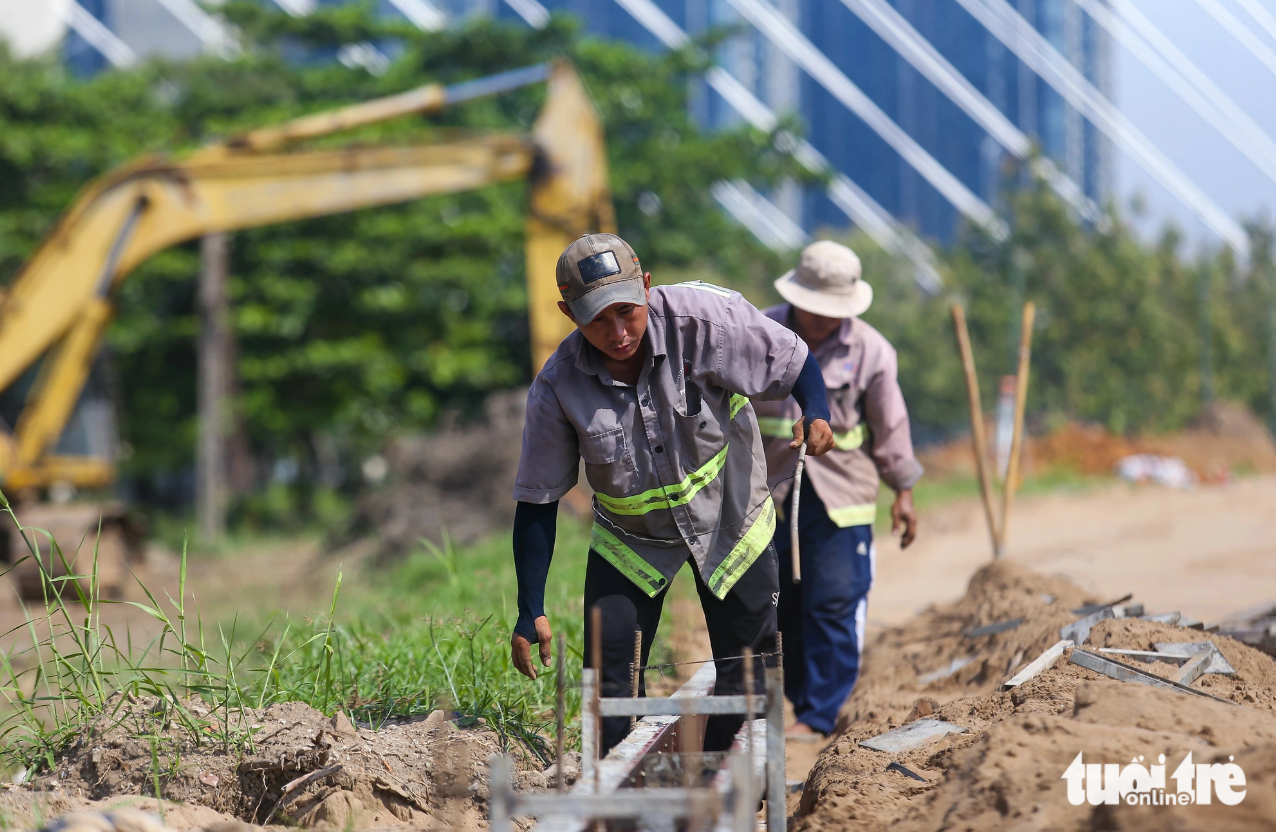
560	711
596	659
635	673
776	777
747	655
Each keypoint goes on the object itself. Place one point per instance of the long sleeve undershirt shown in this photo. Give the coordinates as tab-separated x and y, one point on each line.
534	528
535	523
810	393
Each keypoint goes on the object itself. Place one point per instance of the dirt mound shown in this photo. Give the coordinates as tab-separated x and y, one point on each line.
299	768
458	478
1004	771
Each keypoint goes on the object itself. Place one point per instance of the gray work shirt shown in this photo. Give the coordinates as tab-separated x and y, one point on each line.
676	461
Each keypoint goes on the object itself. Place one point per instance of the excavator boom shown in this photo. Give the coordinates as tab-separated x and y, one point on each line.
60	303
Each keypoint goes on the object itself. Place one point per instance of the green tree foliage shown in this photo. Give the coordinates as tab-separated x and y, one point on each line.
1118	338
351	328
355	326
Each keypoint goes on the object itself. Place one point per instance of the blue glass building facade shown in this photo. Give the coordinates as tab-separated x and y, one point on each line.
923	111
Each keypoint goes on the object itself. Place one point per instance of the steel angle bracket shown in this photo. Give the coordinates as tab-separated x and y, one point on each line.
1125	673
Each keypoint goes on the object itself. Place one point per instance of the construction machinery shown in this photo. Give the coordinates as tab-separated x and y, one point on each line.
56	310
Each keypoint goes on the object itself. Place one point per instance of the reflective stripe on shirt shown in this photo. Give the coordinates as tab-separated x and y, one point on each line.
860	515
783	429
667	496
745	552
630	564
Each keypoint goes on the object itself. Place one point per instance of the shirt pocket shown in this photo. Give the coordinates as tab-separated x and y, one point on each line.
701	434
844	406
609	465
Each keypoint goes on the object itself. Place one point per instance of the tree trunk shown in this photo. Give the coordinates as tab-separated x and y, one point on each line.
214	385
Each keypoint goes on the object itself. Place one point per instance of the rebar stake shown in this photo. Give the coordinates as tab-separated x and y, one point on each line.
560	710
596	659
635	673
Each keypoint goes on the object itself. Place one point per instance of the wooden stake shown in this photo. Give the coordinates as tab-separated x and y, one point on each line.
1016	441
976	422
214	384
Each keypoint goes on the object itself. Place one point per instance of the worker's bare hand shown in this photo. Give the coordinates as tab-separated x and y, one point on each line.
521	648
903	514
819	442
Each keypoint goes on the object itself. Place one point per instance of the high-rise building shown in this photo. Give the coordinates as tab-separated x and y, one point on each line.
910	100
916	105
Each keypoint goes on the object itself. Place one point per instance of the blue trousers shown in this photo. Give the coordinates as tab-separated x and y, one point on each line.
822	618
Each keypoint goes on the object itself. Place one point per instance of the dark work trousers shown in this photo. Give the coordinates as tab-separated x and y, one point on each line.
822	618
745	618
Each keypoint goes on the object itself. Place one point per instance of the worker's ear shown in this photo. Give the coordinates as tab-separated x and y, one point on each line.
646	283
566	310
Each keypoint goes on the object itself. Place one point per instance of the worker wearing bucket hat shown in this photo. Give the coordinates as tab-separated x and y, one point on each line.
823	616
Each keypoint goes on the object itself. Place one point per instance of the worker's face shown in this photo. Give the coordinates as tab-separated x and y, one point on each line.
617	331
813	328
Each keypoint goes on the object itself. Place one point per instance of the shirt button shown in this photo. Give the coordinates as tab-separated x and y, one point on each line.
645	402
660	449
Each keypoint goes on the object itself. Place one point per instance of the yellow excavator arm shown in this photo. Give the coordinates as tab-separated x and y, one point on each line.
60	303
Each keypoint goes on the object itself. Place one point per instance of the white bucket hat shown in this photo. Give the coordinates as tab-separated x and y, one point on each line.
826	282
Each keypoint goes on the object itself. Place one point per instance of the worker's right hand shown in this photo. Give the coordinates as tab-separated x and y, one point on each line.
818	443
521	648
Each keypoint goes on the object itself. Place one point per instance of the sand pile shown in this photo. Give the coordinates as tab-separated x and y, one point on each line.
1005	771
301	769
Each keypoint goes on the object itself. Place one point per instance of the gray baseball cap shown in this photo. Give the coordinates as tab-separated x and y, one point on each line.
597	271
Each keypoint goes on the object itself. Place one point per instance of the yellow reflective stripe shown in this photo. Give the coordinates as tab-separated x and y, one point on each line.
860	515
776	427
783	429
745	551
851	439
630	564
737	402
667	496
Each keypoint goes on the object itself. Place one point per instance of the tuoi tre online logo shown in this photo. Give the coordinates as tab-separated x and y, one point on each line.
1137	785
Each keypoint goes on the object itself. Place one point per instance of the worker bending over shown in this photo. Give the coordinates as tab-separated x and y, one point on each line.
653	390
822	617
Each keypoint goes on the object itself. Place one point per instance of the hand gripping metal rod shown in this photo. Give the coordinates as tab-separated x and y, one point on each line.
793	516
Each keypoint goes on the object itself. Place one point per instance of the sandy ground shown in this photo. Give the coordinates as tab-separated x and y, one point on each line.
1207	552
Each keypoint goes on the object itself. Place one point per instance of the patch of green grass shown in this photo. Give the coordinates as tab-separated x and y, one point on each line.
432	632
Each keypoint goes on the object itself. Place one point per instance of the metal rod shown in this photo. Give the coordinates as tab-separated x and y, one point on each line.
588	731
596	659
779	650
743	811
613	706
560	711
1016	441
976	421
793	514
776	777
748	701
635	673
499	819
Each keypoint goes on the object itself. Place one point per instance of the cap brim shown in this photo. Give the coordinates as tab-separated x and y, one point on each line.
850	305
586	307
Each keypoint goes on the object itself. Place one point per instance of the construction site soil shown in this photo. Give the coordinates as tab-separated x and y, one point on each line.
301	769
1004	772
